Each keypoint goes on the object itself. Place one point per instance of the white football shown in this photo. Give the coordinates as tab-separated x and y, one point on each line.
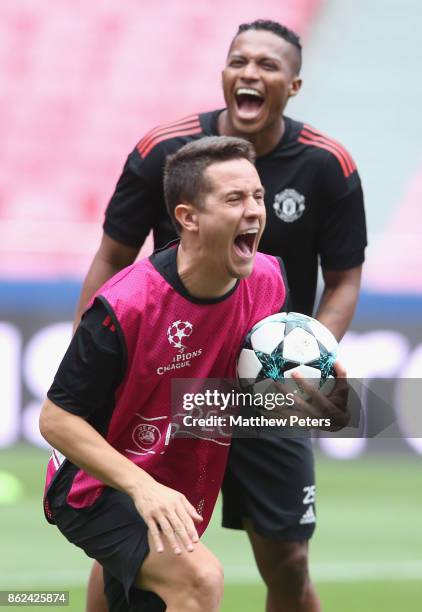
284	343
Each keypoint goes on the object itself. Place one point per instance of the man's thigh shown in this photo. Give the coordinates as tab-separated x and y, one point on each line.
270	482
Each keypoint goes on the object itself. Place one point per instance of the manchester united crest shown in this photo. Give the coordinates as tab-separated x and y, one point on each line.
289	205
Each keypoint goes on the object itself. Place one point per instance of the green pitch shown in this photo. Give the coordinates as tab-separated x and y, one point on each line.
366	556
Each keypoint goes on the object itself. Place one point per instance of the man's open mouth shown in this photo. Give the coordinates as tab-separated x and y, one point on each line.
248	102
244	243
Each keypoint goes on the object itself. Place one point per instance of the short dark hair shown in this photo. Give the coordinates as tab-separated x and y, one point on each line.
184	179
276	28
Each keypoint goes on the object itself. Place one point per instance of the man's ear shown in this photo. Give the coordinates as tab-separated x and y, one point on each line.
295	86
187	216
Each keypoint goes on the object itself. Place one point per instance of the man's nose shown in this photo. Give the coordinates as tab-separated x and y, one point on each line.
253	208
250	71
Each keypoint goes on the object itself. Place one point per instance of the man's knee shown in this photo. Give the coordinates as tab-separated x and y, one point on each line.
192	582
206	585
198	589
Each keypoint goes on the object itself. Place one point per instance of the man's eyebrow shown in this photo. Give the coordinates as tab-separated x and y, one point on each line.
266	56
234	192
236	56
242	191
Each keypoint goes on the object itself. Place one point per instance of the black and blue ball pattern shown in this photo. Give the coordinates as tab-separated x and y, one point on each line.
287	342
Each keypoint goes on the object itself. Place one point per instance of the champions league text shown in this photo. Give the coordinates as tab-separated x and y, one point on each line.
181	360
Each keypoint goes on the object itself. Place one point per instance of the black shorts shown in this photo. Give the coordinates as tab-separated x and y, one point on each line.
271	481
112	532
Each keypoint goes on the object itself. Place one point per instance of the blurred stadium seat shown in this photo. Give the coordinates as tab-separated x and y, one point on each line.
396	259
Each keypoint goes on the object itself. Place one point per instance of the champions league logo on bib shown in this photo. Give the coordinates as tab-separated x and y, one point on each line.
177	331
289	205
177	334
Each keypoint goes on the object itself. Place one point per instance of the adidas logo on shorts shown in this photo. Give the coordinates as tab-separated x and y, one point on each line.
308	517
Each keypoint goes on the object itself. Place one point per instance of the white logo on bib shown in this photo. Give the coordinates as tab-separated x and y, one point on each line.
177	331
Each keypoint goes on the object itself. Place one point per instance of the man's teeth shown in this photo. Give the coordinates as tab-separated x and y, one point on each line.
246	91
251	231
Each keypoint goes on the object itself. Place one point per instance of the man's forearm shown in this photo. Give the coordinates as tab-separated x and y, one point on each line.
336	310
85	447
111	257
161	507
99	272
339	299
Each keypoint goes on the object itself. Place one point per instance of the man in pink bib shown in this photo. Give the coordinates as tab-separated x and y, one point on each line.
118	484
